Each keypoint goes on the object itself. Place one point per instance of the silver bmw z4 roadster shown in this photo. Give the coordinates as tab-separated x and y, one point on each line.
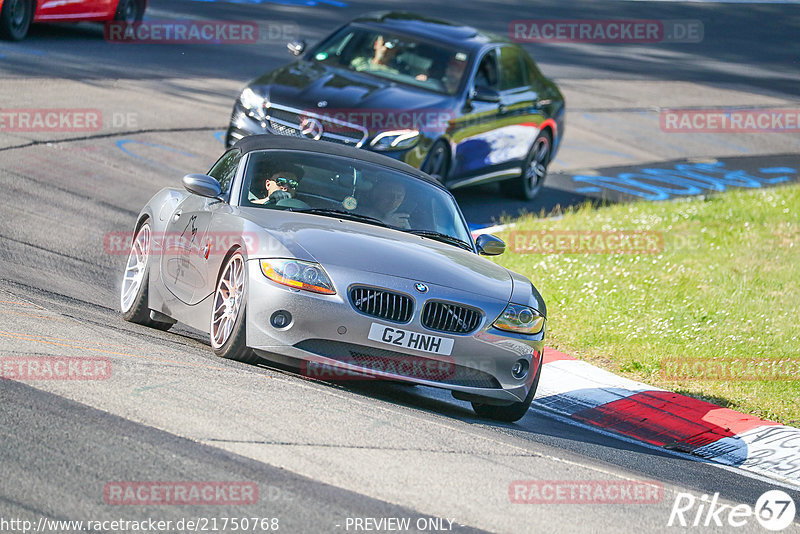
347	264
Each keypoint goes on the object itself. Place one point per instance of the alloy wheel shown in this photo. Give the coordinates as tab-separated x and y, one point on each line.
537	169
135	268
227	301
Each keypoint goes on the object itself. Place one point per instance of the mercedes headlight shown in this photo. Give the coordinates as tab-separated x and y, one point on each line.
298	274
520	319
253	103
395	140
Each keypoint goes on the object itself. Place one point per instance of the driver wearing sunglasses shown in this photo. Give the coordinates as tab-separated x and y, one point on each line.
281	184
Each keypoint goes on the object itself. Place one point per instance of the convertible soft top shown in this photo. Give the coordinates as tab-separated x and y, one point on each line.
283	142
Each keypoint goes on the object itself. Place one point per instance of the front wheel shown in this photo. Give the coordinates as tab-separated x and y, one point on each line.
15	19
134	300
229	312
513	412
530	182
129	11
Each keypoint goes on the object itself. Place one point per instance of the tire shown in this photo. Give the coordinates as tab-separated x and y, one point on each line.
227	329
528	185
15	19
437	162
129	11
134	300
513	412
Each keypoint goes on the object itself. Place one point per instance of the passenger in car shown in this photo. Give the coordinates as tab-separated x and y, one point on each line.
453	73
383	202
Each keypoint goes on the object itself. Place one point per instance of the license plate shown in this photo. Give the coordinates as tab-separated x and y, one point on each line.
407	339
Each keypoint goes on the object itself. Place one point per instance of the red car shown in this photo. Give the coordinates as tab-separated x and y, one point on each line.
16	16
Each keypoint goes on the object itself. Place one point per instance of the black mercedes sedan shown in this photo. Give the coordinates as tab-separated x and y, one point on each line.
464	106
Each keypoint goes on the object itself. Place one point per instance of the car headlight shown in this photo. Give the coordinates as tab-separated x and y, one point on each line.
520	319
395	140
305	275
253	103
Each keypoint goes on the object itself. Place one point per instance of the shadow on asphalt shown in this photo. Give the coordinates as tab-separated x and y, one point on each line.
485	205
762	35
440	402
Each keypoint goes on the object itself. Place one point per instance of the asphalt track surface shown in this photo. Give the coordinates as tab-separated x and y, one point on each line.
321	453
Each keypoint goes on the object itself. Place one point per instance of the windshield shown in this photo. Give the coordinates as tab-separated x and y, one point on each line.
328	185
400	58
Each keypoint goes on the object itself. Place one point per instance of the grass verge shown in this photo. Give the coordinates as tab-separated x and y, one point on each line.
704	300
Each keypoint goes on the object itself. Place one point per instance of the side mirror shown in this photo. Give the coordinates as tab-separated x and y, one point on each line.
485	94
489	245
203	185
296	47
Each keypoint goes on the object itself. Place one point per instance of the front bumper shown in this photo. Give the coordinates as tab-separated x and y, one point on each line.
242	125
326	332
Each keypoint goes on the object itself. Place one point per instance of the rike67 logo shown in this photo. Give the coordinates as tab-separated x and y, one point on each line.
774	510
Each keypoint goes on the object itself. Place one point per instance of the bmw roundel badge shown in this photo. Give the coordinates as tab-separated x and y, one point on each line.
422	288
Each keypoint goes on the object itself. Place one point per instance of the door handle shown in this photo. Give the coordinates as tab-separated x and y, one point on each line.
177	215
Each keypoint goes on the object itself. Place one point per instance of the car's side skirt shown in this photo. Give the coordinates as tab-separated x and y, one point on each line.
488	177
